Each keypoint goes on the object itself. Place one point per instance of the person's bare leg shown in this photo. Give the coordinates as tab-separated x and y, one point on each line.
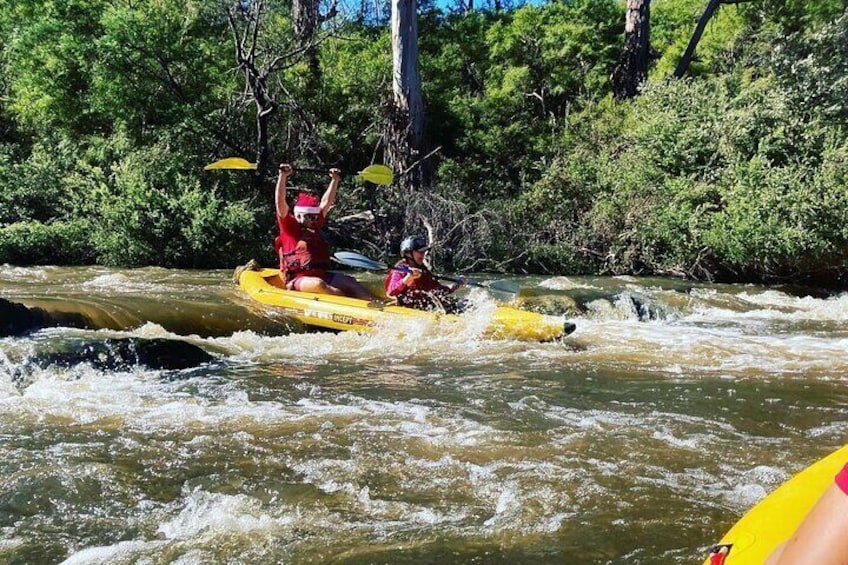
350	287
342	285
316	285
822	537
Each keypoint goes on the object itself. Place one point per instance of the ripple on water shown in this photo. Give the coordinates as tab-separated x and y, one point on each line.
425	439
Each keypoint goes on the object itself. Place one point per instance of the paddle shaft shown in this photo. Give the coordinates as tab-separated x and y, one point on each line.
359	261
377	174
455	280
309	170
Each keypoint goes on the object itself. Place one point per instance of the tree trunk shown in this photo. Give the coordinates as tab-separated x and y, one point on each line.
632	68
306	20
405	127
264	110
696	37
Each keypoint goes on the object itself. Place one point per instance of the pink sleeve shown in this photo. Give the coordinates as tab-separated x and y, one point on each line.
395	285
842	479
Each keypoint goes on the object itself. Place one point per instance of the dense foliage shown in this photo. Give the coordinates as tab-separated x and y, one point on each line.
109	109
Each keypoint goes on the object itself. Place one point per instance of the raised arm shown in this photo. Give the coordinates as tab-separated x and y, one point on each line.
329	198
280	193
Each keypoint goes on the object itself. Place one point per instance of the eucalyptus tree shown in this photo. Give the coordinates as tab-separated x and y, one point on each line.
405	125
632	68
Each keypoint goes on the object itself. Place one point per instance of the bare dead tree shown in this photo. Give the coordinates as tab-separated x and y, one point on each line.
258	62
453	231
307	21
632	68
245	23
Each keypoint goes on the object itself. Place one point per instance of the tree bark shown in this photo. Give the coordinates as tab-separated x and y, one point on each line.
632	68
696	37
306	20
405	127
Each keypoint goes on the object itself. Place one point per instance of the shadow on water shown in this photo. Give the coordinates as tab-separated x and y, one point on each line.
112	354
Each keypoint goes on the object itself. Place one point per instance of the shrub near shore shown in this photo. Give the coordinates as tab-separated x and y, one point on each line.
735	173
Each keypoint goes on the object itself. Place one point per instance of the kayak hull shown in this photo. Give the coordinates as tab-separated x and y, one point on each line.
346	314
775	518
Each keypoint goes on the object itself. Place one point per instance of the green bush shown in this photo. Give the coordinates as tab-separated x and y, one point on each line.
155	211
701	178
32	187
784	222
35	243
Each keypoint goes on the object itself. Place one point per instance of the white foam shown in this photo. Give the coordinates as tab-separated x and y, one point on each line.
832	308
745	496
683	348
444	339
565	283
28	274
115	283
11	544
769	305
123	551
205	514
834	431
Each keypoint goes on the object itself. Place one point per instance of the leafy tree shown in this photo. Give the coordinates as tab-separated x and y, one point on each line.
175	53
524	72
54	94
672	26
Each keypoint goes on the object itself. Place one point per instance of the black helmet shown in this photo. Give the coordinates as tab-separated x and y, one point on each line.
414	243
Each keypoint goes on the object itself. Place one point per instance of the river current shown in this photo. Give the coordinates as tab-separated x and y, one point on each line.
640	438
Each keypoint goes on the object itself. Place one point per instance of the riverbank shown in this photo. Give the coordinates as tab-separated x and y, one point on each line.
735	172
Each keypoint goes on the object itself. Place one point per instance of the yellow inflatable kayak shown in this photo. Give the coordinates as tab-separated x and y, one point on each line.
342	313
775	518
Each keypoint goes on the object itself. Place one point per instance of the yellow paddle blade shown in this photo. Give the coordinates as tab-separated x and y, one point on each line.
231	163
378	174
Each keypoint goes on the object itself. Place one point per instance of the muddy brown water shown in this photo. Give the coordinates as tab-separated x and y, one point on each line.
641	438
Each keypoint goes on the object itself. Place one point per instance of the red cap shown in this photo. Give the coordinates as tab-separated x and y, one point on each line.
307	204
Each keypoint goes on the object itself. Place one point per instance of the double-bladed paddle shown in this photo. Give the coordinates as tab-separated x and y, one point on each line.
358	261
378	174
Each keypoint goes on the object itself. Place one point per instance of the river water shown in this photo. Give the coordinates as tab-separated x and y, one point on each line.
640	438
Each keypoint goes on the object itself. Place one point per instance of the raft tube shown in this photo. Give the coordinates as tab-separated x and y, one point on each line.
775	518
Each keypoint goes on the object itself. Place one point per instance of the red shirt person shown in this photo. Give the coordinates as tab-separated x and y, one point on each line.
304	254
412	284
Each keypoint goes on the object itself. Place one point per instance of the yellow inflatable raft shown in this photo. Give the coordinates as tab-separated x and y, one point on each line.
342	313
775	518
